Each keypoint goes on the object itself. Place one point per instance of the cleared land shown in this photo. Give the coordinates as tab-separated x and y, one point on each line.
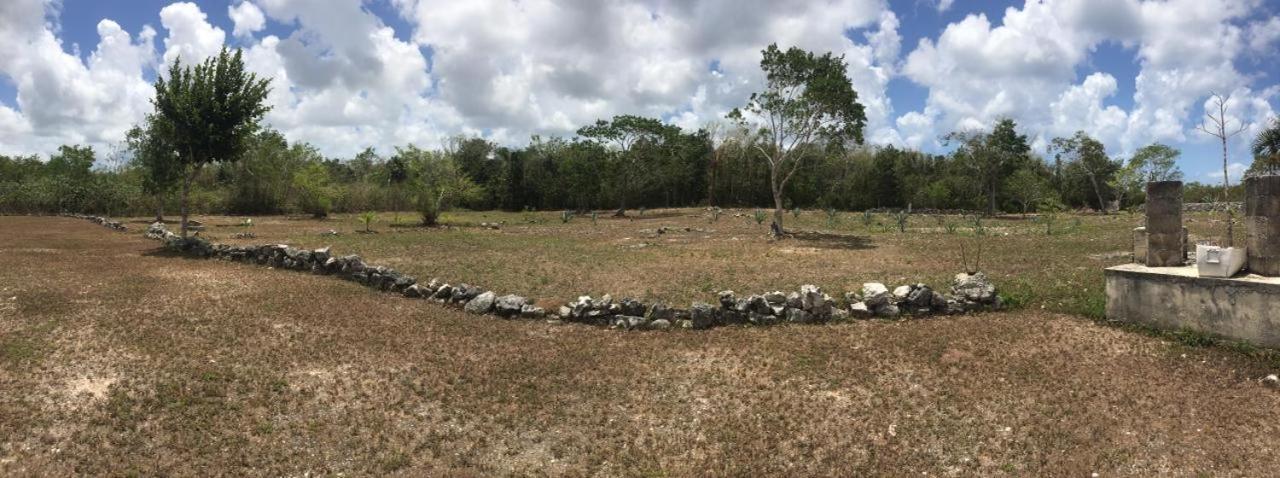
118	359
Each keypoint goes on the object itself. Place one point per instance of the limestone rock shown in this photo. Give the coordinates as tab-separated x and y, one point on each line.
859	310
702	315
799	316
629	306
509	305
875	294
839	315
888	310
975	287
727	299
480	304
775	298
921	297
530	311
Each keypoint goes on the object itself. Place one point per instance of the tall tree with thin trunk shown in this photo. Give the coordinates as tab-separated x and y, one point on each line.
992	157
1090	156
207	112
808	99
1217	124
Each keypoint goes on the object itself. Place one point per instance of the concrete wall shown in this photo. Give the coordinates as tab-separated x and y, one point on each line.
1245	308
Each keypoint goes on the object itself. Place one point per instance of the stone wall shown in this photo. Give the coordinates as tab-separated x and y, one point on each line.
807	305
100	220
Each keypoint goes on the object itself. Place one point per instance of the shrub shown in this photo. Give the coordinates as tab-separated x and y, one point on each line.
314	196
901	217
368	217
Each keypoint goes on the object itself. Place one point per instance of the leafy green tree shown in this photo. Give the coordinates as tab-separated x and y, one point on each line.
207	112
260	181
629	134
991	158
157	159
312	190
1266	151
1088	156
72	162
437	181
1127	182
1028	188
1156	162
807	99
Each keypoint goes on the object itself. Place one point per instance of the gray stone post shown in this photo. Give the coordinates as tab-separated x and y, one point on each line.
1262	218
1164	224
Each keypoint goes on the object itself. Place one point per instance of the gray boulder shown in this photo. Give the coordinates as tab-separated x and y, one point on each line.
875	294
529	311
901	292
480	304
887	310
631	322
414	291
799	316
702	315
727	299
839	314
629	306
509	305
795	301
975	287
921	297
775	298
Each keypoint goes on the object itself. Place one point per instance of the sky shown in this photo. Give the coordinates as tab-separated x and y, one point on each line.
351	74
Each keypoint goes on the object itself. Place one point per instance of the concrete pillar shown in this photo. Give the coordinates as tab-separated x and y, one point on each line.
1262	218
1140	245
1165	244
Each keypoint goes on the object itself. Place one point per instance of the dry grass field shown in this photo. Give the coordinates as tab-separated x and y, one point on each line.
118	359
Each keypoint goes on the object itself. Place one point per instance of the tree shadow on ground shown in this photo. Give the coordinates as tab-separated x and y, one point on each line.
648	215
169	254
828	240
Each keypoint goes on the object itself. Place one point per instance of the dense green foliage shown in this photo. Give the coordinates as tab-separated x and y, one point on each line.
577	174
205	114
805	152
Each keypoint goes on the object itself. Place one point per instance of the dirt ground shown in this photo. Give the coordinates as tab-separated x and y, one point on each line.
116	359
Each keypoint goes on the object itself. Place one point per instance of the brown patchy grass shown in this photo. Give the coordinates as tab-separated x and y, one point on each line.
535	254
118	361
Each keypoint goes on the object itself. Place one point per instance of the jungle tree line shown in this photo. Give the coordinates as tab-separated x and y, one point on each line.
796	144
274	176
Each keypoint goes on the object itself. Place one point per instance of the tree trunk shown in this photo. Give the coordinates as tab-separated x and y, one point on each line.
777	200
160	207
991	199
186	191
1102	204
1226	193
